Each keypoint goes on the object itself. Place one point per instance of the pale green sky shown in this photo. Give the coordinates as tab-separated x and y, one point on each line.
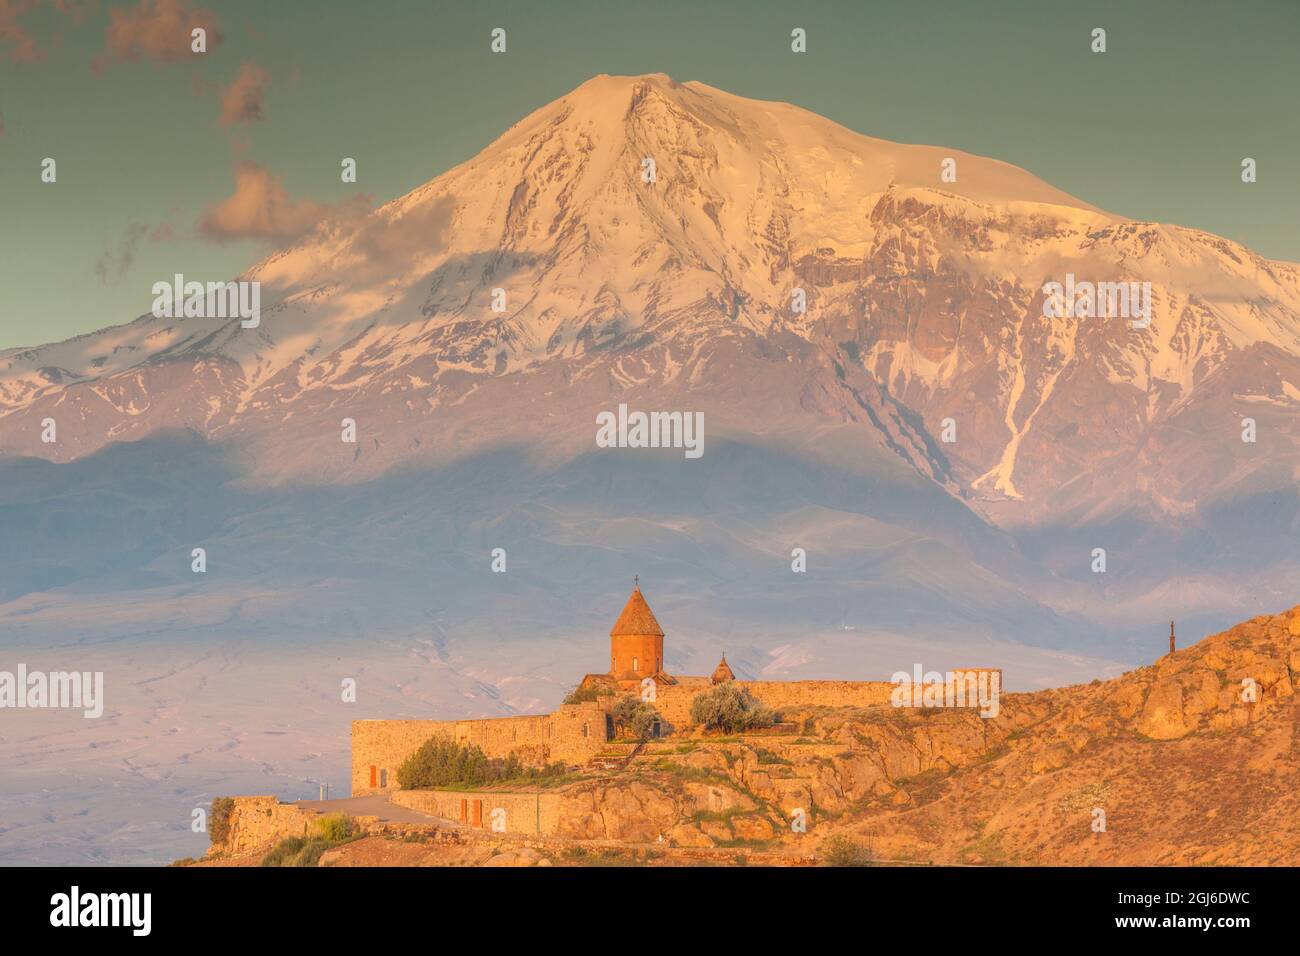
1155	128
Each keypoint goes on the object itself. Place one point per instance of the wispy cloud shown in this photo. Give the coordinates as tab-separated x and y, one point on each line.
261	208
116	259
242	100
16	33
155	30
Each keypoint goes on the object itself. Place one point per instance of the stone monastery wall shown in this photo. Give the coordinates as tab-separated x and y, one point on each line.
819	693
537	813
674	701
573	734
576	732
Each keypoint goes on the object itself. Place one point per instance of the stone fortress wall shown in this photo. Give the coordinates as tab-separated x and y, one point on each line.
535	812
576	733
674	701
573	735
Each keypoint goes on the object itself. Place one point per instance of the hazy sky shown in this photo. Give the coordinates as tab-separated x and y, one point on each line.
148	139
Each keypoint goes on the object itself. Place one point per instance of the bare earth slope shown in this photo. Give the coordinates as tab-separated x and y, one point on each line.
1185	770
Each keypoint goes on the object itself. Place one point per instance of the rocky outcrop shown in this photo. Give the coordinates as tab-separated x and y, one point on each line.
1174	741
257	822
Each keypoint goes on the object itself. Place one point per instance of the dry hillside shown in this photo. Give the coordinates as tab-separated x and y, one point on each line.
1185	766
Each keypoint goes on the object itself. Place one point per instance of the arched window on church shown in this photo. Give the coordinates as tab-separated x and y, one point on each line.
636	665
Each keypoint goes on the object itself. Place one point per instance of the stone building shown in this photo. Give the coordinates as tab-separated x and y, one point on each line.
579	731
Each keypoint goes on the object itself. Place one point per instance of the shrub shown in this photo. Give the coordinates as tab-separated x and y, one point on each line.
441	762
311	852
766	756
730	709
219	819
284	851
581	695
296	851
841	850
335	827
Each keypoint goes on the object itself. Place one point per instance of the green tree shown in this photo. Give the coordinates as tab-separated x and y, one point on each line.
440	762
730	709
636	716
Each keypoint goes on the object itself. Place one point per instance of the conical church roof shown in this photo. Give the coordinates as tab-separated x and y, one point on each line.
637	619
722	672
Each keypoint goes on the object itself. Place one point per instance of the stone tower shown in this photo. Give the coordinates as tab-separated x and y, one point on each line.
636	643
1171	637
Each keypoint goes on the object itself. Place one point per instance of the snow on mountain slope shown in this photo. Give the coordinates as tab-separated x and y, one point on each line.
925	303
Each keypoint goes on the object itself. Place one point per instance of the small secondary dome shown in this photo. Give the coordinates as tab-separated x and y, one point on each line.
722	672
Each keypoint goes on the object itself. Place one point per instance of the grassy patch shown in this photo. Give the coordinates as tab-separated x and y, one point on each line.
700	774
986	848
331	831
842	850
744	844
766	756
295	851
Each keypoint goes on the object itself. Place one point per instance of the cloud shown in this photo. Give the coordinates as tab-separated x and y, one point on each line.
22	43
156	30
116	260
241	101
401	240
260	208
